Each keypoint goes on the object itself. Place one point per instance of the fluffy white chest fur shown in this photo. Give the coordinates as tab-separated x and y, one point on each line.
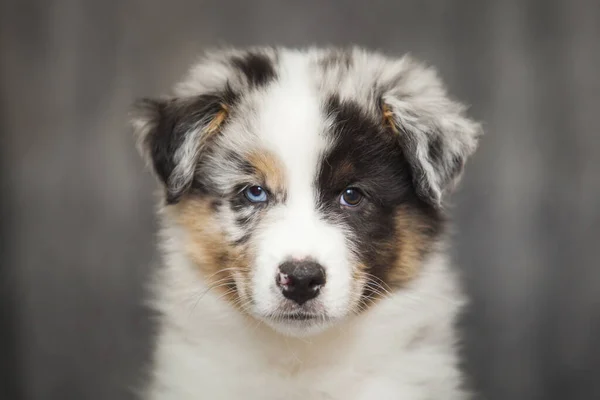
303	228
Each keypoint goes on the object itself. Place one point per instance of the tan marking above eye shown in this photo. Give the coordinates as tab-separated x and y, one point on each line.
270	168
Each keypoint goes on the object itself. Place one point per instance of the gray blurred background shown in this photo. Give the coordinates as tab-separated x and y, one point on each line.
76	222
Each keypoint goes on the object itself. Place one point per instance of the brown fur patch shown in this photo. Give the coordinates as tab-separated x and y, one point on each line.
215	124
388	118
414	236
270	168
220	263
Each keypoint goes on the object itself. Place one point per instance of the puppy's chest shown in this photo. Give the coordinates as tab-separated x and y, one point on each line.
233	368
316	373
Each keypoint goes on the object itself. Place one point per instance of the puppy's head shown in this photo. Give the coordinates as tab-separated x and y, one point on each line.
306	184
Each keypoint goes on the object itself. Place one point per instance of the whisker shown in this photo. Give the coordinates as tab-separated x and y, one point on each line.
201	296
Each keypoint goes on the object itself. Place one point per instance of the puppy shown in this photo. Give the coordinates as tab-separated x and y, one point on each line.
303	228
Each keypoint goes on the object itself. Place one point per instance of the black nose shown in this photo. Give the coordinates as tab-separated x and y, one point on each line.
300	281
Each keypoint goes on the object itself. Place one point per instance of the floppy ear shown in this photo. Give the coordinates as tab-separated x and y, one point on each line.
436	135
171	134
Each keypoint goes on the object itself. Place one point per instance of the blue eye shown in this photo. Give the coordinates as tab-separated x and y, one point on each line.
351	197
255	194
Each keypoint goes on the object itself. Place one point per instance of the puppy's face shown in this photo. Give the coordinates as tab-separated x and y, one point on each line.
307	184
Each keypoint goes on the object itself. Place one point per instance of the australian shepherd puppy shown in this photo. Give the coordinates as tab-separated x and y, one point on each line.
303	228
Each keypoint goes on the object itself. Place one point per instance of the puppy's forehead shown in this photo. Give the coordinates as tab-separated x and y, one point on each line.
289	118
283	108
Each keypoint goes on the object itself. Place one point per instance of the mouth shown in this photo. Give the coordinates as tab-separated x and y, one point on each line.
296	318
299	316
298	324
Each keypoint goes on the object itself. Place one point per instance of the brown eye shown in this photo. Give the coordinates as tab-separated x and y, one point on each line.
351	197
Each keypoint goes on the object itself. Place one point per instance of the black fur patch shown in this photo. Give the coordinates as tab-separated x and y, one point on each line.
258	68
367	156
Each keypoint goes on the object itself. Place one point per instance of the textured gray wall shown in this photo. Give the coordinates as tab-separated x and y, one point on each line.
77	225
